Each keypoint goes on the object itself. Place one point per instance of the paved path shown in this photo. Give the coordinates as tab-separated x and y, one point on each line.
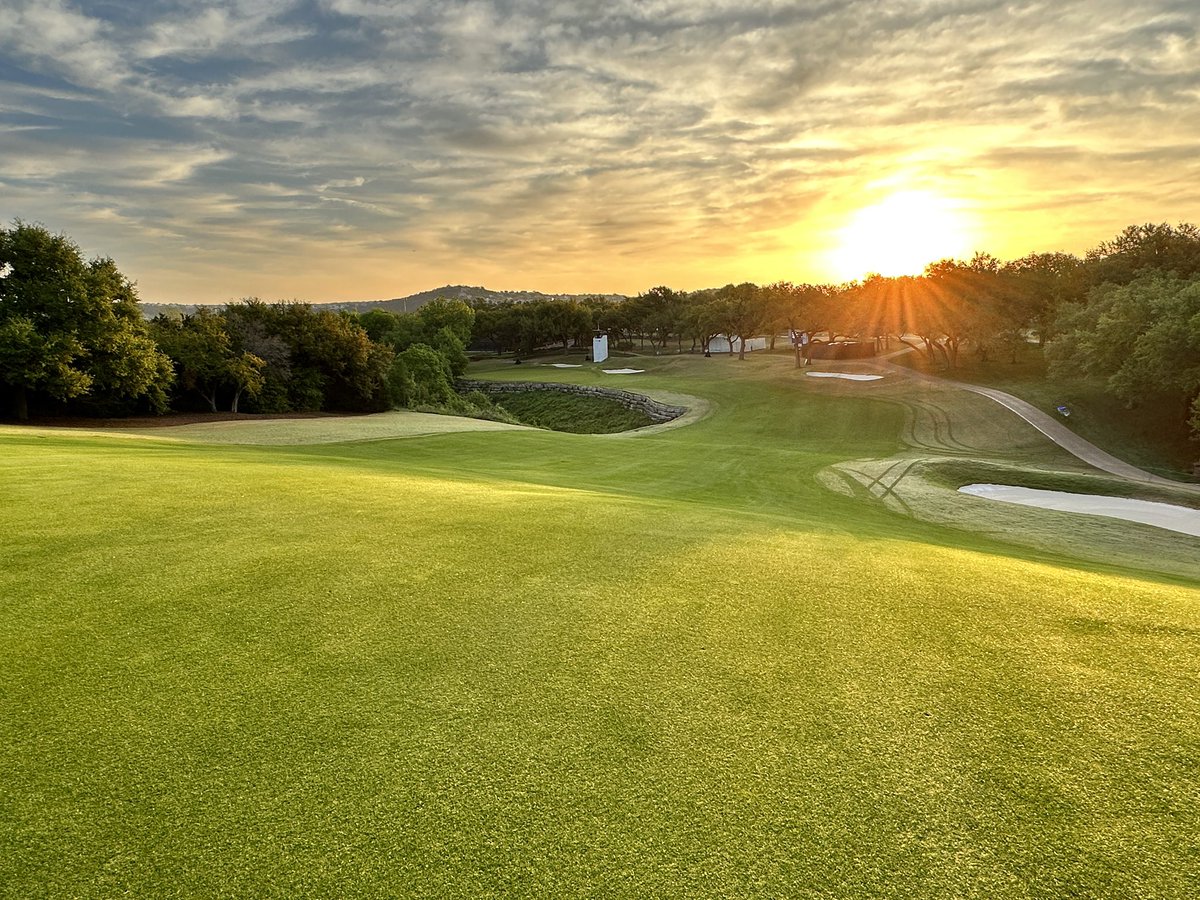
1047	425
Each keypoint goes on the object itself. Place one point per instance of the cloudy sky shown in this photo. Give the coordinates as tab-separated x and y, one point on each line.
362	149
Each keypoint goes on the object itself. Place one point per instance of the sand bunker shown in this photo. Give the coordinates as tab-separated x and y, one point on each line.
1160	515
567	365
845	375
623	371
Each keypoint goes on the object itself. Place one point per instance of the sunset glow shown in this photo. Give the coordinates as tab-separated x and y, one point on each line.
350	150
900	235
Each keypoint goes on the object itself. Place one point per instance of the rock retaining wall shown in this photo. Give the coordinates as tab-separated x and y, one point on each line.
657	412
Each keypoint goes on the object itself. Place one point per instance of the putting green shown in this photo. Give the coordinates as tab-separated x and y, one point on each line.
521	662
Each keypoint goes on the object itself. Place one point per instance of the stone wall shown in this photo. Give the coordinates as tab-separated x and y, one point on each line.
657	412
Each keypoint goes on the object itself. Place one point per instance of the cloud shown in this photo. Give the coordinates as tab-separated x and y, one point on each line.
483	133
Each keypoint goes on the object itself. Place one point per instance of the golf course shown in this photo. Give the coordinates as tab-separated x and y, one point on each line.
767	649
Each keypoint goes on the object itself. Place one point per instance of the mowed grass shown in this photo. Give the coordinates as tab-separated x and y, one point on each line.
525	663
1151	433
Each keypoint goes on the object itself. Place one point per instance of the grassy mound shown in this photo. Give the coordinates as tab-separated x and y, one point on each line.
1152	434
520	662
283	431
572	412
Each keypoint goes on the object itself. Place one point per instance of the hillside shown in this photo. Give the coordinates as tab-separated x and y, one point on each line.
411	303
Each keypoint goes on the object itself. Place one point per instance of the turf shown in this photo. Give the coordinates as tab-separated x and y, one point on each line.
573	413
1152	433
529	663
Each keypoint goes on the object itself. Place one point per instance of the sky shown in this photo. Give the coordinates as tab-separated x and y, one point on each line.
361	149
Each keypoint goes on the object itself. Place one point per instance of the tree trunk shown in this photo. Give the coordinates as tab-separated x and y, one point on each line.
233	407
211	398
742	349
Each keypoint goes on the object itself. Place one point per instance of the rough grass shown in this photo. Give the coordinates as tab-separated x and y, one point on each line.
530	663
572	413
1151	434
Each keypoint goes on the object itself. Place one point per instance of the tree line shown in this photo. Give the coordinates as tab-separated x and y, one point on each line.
73	341
72	338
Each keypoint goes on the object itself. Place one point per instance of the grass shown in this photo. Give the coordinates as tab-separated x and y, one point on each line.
1152	434
397	423
523	662
572	413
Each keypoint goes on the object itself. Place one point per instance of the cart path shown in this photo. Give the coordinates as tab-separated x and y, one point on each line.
1054	430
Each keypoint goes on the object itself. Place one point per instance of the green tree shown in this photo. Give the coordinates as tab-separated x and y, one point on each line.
800	308
1039	284
33	361
1141	249
1143	338
743	313
88	340
202	352
420	376
702	318
454	315
378	323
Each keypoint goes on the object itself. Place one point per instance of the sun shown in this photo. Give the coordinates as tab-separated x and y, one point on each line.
901	235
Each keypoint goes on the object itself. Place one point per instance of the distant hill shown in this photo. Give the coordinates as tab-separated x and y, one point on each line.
456	292
410	303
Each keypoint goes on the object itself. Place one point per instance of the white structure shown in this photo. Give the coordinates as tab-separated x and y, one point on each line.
600	347
721	344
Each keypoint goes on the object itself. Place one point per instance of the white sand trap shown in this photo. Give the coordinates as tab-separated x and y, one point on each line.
1160	515
623	371
567	365
845	375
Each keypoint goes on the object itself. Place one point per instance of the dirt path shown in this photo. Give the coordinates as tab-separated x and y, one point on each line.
1047	425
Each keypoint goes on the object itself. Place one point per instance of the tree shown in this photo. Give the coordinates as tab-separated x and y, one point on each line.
421	377
454	315
702	318
333	362
200	348
74	329
32	361
489	326
658	313
378	323
1145	248
1039	285
253	328
561	320
799	308
743	313
1143	338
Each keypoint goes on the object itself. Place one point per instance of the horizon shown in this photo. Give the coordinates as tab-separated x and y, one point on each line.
342	152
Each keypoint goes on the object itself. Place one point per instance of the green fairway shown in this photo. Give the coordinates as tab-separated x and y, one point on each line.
701	659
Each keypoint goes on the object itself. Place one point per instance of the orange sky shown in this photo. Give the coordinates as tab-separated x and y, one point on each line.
354	150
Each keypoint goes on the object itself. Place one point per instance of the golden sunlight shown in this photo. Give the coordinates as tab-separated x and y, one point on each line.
901	235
